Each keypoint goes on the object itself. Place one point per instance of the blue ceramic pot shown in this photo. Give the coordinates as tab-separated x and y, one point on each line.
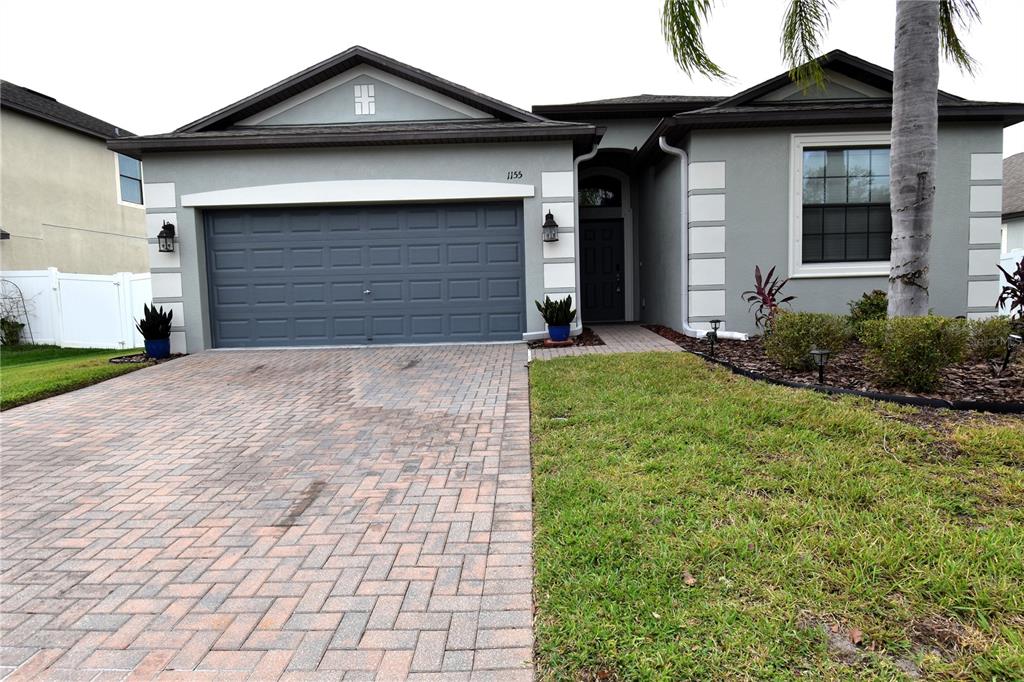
158	349
558	332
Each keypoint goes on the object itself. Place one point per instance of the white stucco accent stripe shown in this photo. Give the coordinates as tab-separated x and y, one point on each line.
982	294
557	184
166	284
155	221
707	207
562	211
178	342
987	166
565	247
707	239
707	271
559	275
707	303
982	262
985	230
158	259
707	175
986	198
357	191
159	195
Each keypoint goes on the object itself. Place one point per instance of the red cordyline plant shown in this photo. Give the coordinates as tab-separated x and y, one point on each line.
764	298
1012	294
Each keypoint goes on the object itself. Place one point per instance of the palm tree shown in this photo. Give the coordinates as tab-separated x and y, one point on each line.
923	29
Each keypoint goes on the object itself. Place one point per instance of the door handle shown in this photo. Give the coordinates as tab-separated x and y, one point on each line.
367	291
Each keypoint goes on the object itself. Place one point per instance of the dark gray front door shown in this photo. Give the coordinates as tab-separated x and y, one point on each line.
602	270
366	274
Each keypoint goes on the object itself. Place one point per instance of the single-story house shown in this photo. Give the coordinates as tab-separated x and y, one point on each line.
68	202
363	200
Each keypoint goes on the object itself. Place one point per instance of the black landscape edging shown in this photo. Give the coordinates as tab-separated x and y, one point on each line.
916	401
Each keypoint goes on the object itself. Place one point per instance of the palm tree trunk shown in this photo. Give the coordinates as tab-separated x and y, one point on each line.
914	144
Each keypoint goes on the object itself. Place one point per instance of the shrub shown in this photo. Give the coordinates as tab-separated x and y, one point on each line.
795	334
988	338
557	313
912	351
764	298
155	324
872	305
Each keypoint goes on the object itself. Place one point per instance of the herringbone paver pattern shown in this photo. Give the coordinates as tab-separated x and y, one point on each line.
308	514
618	338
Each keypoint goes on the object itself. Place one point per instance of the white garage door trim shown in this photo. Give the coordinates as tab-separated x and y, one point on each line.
357	191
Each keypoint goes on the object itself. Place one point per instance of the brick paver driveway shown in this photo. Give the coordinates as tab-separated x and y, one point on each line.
325	514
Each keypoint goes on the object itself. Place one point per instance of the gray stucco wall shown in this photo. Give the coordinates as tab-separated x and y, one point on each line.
202	172
659	237
757	219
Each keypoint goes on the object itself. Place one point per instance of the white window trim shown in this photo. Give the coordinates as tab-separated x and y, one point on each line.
117	185
797	268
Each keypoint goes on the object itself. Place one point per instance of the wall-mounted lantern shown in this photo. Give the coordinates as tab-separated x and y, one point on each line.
550	228
165	238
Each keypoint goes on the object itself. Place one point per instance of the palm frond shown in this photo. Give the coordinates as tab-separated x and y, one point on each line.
957	15
804	25
681	24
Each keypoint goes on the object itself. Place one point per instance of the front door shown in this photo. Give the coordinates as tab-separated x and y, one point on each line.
602	271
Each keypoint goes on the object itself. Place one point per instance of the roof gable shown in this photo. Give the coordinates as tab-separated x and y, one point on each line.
850	78
346	98
294	86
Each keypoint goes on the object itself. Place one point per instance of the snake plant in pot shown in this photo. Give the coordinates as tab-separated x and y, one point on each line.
155	327
558	315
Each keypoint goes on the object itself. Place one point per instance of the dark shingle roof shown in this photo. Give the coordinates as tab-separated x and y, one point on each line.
649	99
1013	184
355	134
44	107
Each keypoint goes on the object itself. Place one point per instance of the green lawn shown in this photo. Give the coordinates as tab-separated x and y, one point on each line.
29	373
692	524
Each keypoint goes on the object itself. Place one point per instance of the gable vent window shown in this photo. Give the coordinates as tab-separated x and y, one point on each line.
846	213
364	100
129	180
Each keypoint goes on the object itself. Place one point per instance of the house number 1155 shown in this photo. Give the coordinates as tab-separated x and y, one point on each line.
514	175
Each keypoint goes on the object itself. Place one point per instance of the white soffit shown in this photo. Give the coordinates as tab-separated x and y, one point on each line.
357	191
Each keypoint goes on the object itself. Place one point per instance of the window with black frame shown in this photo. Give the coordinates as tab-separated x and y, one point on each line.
846	216
129	172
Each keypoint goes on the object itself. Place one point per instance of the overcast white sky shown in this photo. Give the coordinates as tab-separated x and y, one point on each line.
153	66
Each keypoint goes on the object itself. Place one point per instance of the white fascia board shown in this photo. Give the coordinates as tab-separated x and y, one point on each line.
357	191
352	74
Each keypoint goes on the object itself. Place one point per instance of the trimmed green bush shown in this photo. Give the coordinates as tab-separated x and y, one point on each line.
872	305
794	334
912	351
988	338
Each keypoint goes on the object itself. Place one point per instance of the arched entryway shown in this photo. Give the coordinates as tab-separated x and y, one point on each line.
606	272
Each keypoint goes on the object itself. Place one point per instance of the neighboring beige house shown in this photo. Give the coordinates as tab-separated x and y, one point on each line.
66	201
1013	202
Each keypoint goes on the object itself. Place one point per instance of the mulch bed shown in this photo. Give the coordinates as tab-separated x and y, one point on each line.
140	358
585	338
964	382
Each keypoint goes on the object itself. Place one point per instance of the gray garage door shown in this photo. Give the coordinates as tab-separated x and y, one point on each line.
366	274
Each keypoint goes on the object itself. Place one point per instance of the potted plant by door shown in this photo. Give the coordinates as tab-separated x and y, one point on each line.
558	315
155	327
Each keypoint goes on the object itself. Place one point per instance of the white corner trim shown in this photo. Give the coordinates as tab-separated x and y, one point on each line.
987	166
797	143
707	271
159	195
986	198
559	275
985	230
356	72
166	284
565	247
155	222
557	184
707	303
707	239
707	175
562	211
707	207
357	191
982	294
982	262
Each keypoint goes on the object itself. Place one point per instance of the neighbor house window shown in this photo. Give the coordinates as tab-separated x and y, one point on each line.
129	179
841	220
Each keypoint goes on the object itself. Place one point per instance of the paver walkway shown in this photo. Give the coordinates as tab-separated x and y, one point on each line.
618	338
317	514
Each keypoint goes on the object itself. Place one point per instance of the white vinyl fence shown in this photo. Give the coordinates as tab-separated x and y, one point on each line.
81	311
1009	261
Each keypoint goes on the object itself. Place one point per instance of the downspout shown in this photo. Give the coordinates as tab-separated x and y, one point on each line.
576	228
684	265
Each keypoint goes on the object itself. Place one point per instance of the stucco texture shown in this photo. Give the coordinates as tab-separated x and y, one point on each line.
58	201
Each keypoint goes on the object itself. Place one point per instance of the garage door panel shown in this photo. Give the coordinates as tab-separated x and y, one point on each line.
298	276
